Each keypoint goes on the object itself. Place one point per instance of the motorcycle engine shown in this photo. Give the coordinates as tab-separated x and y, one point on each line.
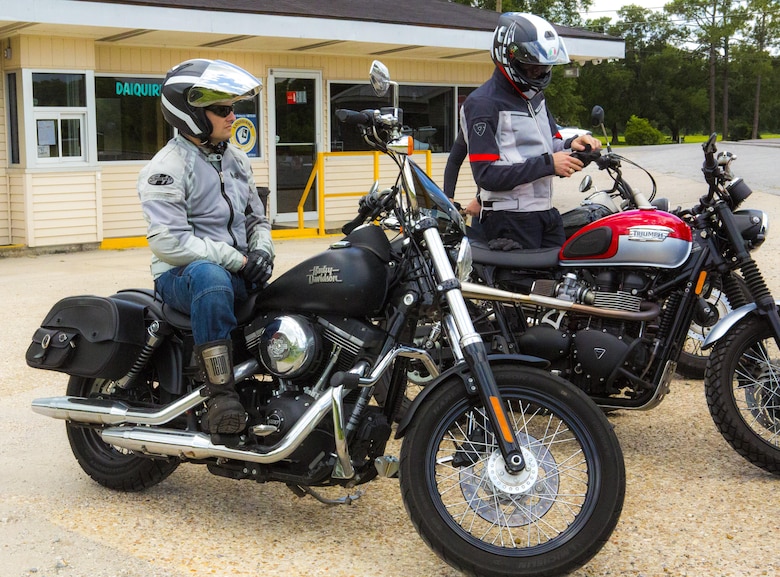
588	349
296	347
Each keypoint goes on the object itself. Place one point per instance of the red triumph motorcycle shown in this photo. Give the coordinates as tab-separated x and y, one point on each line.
715	304
611	309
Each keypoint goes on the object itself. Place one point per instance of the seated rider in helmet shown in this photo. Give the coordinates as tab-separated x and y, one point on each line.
513	143
207	229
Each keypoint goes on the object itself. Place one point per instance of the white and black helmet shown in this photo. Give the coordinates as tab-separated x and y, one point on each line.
193	85
522	39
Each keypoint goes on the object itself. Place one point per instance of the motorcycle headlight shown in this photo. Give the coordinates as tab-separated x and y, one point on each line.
738	191
463	265
753	225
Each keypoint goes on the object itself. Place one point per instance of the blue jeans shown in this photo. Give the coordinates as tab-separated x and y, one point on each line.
208	293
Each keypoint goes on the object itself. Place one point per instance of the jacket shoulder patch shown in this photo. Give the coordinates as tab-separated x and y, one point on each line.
160	179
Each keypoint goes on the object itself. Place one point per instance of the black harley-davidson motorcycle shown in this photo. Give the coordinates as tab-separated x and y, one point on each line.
611	309
505	469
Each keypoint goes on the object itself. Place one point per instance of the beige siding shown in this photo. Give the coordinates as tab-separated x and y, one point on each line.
121	209
65	208
56	52
16	194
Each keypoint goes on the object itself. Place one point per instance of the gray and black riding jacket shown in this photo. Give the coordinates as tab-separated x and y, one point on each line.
201	205
511	138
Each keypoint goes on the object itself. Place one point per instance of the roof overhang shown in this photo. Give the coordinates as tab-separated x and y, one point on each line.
160	26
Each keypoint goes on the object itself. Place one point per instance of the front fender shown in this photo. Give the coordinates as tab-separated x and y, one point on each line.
726	323
461	371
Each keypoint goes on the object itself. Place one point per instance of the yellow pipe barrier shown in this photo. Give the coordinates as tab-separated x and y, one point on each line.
318	173
318	170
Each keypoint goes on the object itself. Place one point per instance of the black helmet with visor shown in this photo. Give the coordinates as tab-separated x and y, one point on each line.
525	48
193	85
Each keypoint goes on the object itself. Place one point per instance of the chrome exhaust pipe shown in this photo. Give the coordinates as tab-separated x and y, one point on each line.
110	412
192	445
648	312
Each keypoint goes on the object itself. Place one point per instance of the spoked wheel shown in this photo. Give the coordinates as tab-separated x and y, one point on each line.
111	466
482	519
743	392
693	360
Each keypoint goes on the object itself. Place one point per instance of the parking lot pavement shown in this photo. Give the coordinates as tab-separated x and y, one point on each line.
693	506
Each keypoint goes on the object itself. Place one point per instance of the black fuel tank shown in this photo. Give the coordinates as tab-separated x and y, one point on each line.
350	278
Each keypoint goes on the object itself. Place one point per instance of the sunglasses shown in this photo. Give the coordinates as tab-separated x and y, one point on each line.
221	110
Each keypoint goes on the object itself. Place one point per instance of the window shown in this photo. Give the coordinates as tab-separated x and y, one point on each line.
129	120
59	90
59	108
429	114
13	119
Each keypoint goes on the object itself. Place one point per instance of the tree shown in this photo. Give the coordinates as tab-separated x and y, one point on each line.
714	23
763	32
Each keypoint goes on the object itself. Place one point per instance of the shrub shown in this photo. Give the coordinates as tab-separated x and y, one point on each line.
740	131
639	131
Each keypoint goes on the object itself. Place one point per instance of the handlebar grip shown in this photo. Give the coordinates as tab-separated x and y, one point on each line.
352	117
586	156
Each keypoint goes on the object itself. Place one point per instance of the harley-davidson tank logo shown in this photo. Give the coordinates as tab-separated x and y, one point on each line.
324	274
649	233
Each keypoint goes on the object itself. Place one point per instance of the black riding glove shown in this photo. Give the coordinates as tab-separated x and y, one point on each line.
258	268
504	244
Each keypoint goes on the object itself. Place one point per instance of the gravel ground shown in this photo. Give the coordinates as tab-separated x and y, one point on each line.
693	506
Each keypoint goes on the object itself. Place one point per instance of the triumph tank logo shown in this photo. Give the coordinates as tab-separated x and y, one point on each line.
324	274
649	233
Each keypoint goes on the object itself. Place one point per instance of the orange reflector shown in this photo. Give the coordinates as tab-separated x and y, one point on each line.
700	282
506	432
410	145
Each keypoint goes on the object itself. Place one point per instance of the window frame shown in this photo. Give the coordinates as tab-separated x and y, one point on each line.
86	115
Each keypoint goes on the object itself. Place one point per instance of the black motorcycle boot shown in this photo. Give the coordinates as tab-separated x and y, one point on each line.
225	414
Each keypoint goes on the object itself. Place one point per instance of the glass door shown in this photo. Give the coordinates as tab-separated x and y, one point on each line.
296	131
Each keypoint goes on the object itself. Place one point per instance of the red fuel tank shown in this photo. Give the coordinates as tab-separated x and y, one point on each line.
641	237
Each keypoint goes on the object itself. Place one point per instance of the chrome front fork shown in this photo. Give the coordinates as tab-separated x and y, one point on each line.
474	351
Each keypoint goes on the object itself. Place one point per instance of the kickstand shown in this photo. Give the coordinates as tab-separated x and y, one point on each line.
345	500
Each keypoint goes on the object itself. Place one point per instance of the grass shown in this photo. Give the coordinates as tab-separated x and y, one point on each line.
687	139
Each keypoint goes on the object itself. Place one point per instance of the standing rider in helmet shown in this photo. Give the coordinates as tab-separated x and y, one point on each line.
207	229
513	143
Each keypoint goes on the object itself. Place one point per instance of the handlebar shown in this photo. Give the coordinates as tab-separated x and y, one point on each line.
352	117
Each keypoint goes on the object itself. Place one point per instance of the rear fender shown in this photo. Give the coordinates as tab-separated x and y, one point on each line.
462	374
728	322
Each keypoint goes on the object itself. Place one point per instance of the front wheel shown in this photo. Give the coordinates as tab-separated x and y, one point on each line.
547	520
110	466
743	392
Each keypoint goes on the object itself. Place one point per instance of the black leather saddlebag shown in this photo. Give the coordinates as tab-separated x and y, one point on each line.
89	336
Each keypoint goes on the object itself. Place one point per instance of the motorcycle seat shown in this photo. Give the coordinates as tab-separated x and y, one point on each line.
159	309
542	258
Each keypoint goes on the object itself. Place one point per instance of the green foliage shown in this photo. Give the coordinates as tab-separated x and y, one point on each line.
685	66
639	131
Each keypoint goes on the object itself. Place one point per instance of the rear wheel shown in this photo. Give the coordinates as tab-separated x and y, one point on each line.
547	520
111	466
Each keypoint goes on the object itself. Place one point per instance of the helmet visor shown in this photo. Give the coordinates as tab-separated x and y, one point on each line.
542	53
222	83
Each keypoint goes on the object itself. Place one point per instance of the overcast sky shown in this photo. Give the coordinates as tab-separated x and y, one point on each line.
608	7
